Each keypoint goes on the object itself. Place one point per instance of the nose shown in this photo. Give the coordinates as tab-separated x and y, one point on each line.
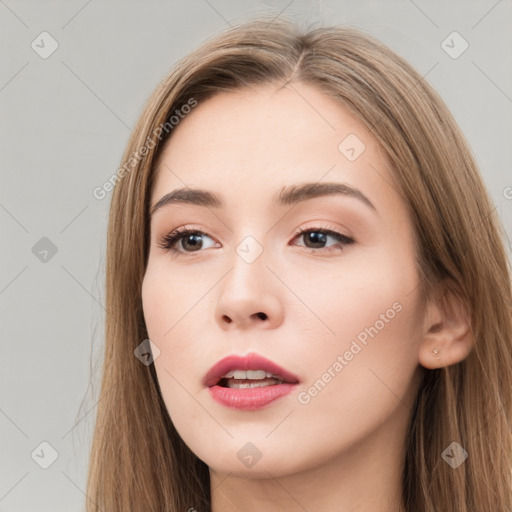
249	296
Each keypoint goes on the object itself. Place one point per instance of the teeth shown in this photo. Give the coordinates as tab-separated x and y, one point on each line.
249	374
243	385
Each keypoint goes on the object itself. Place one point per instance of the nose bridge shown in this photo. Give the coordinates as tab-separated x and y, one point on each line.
247	294
248	264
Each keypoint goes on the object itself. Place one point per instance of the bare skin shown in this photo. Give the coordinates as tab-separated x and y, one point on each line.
303	303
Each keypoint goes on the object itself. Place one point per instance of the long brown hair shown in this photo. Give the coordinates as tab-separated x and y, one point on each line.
138	461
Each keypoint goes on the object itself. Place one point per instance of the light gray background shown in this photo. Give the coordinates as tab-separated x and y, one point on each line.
65	121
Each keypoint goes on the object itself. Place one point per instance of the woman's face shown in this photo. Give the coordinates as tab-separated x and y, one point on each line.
342	315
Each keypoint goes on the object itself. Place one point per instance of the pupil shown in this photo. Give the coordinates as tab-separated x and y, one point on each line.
195	244
316	237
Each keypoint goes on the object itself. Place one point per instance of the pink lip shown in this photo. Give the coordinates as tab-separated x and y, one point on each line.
251	361
251	398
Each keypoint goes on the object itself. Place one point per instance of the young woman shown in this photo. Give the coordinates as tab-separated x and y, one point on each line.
308	296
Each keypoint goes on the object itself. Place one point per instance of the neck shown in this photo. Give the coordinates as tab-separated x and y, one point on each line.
365	478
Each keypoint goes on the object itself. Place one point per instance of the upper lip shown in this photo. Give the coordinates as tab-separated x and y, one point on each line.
250	361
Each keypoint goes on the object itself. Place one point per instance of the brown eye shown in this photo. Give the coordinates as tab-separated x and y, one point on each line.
187	238
316	238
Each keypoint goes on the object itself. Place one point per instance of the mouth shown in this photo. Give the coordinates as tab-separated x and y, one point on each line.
250	371
248	382
241	379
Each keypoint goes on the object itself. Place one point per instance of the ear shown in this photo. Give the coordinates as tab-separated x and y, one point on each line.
447	334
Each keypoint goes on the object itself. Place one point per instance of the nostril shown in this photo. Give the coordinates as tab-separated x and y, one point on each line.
262	316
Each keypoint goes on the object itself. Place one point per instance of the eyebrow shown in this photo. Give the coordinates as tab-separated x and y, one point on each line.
290	195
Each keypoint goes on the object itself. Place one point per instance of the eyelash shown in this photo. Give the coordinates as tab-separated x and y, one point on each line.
168	242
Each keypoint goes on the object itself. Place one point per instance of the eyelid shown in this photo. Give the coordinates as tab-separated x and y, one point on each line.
320	227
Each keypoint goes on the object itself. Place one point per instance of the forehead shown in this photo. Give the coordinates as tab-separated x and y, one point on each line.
253	142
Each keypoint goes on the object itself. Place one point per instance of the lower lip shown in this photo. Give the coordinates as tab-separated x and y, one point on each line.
249	399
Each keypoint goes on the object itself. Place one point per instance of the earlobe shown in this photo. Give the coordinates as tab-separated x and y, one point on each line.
448	337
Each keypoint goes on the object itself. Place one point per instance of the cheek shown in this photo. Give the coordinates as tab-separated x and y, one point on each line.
347	295
165	312
367	324
366	377
168	297
171	307
153	297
